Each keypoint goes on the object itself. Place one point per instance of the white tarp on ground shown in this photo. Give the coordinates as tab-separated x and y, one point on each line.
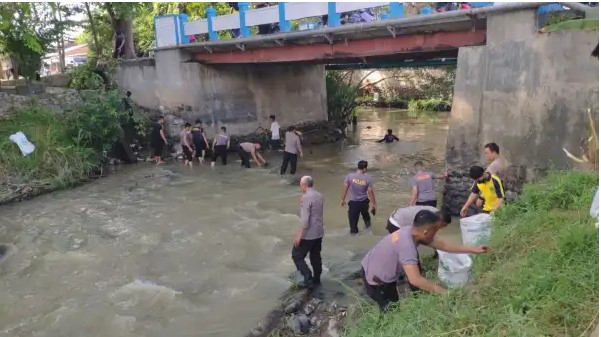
24	145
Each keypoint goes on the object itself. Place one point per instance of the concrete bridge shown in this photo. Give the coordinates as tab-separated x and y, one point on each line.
525	90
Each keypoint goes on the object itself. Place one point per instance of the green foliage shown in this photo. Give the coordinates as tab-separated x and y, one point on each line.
58	160
96	121
430	104
341	96
578	24
83	78
541	278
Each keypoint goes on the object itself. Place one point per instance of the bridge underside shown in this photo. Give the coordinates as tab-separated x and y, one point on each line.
423	46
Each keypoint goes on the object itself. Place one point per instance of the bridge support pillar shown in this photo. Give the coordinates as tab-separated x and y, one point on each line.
525	91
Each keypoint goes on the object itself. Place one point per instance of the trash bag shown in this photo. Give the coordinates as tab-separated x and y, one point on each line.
453	269
24	145
595	207
475	229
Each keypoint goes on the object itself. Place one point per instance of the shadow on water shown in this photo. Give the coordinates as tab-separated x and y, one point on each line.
157	251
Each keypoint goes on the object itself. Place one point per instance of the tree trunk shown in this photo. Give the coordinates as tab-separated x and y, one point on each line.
124	25
61	45
97	48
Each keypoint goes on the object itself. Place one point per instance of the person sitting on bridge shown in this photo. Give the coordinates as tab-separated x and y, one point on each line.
491	188
389	137
246	150
397	252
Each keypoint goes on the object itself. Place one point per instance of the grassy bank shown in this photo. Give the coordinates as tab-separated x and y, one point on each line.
540	280
69	145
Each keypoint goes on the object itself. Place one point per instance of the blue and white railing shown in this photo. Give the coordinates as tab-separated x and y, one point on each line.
173	30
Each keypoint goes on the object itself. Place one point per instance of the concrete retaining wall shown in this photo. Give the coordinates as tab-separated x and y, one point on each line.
526	91
238	96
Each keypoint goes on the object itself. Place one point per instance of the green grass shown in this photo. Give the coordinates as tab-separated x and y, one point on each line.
430	104
57	162
540	280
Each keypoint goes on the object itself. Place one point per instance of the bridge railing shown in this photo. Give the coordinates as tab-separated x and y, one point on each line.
173	30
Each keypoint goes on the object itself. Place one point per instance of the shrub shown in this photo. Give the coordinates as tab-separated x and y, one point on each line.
84	77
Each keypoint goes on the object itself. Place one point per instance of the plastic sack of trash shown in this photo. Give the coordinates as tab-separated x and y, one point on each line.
595	207
24	145
475	229
454	269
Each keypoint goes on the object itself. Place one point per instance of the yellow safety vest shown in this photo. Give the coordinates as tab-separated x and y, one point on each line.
489	194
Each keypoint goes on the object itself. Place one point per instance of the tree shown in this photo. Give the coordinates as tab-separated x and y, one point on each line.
23	37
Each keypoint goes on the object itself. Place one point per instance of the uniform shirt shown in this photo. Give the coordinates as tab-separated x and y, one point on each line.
312	214
405	216
293	143
275	131
498	167
491	191
426	187
184	138
222	139
386	259
358	184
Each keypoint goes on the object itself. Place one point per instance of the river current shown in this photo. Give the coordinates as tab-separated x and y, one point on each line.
166	251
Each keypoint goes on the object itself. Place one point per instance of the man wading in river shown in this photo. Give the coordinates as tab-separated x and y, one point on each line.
221	144
292	150
361	197
397	252
158	139
246	150
309	236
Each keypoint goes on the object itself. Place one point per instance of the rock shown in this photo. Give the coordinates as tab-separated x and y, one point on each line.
299	323
333	328
293	306
311	306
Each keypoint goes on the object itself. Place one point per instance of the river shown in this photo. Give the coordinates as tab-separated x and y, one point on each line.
166	251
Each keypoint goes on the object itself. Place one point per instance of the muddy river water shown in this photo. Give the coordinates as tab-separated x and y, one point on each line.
165	251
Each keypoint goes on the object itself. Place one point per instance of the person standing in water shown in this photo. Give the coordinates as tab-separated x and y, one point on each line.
423	187
292	150
275	133
310	234
221	144
389	137
397	253
185	138
246	150
158	140
200	141
362	196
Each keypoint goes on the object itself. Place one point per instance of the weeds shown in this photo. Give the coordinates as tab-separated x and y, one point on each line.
540	280
430	104
69	146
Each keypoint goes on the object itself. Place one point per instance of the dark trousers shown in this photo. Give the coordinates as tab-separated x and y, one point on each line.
383	294
289	158
188	155
432	203
275	144
244	156
356	208
220	151
313	248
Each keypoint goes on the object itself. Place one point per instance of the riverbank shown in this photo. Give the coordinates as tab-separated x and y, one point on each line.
540	280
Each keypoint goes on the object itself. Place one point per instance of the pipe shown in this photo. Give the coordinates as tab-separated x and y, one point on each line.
353	28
